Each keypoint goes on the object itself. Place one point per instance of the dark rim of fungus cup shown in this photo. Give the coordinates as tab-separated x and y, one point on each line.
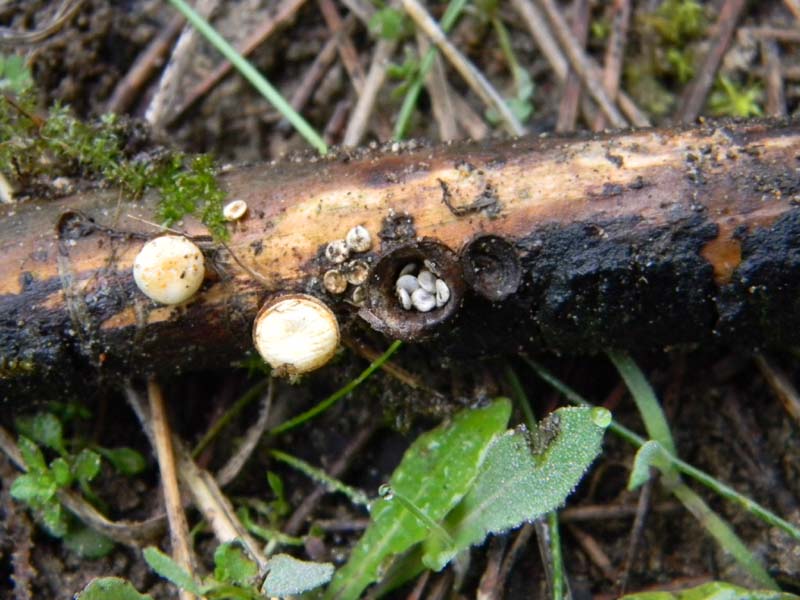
383	310
491	267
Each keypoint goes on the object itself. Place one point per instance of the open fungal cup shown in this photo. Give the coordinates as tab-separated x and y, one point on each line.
295	334
413	290
169	269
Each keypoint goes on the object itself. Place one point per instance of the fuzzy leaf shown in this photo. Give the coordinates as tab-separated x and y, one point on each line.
59	469
516	485
434	474
111	588
714	590
289	576
231	565
169	569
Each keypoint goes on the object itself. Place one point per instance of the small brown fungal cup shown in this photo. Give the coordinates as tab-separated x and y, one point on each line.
491	267
384	309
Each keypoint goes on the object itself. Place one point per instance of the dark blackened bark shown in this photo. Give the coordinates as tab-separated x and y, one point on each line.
631	240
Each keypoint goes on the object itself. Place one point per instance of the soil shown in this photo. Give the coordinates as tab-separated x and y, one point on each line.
726	417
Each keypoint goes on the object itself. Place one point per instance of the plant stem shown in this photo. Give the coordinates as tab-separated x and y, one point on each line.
449	18
339	394
252	75
556	556
655	422
334	485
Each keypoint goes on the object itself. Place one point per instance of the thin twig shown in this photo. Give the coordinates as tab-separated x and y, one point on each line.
284	13
615	52
347	52
376	75
568	107
595	553
776	99
781	386
634	540
540	31
66	10
200	484
489	587
583	67
695	95
162	438
337	469
254	433
471	75
315	72
470	121
794	7
604	512
130	86
440	94
519	544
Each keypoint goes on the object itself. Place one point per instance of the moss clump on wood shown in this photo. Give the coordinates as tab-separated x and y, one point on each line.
37	148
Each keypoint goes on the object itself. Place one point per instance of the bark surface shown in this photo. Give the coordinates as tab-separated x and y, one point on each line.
644	239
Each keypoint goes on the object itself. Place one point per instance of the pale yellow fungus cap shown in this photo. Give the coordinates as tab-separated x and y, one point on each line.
296	334
169	269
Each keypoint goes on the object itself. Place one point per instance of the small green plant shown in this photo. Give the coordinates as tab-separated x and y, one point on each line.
236	576
714	590
464	480
729	100
37	147
39	487
390	24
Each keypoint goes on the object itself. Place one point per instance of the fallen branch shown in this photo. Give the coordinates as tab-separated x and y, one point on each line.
630	240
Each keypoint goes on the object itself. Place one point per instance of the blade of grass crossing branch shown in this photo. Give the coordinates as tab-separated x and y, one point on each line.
339	394
252	75
654	420
702	477
449	19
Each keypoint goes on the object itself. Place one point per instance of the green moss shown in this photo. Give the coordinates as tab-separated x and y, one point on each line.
36	148
731	100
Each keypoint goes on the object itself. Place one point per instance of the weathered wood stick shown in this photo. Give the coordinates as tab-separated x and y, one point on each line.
637	239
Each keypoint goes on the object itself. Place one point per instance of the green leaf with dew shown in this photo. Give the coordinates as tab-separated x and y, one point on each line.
111	588
516	484
714	590
289	576
31	455
434	474
169	569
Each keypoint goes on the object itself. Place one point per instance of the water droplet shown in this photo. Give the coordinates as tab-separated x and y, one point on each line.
385	491
601	417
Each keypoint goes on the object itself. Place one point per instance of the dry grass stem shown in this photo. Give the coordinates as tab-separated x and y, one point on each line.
595	553
251	438
781	386
615	53
471	75
776	99
440	94
347	52
580	62
570	98
697	91
162	441
359	119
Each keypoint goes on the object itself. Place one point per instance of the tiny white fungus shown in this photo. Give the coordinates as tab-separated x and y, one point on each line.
234	210
169	269
358	239
337	251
